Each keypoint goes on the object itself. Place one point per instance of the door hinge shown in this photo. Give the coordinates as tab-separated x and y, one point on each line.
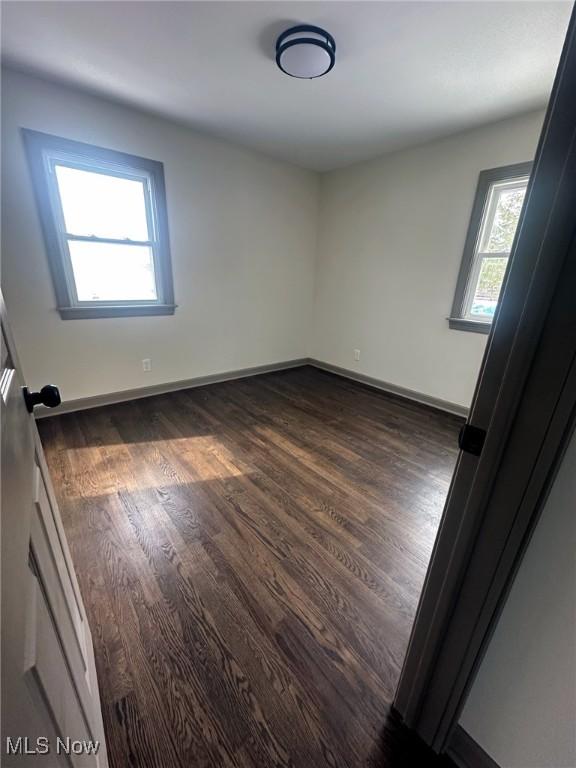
471	439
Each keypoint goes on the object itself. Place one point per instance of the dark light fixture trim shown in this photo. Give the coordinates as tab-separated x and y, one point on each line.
324	40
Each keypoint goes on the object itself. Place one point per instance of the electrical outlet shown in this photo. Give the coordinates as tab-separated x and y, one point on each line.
147	364
356	355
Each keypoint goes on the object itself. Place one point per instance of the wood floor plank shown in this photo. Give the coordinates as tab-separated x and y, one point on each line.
251	555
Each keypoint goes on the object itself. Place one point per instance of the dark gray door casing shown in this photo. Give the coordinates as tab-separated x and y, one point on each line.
525	400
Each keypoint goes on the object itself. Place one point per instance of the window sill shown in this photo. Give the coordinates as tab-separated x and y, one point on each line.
134	310
472	326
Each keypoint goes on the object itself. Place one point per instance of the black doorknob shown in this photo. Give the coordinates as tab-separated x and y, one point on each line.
49	396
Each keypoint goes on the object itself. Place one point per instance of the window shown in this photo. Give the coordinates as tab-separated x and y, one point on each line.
103	215
495	214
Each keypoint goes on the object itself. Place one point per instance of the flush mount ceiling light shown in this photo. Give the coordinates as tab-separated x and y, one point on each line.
305	51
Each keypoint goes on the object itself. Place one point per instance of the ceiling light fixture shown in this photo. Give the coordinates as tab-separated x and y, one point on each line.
305	52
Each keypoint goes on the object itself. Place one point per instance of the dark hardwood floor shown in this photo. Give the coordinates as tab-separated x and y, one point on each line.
251	555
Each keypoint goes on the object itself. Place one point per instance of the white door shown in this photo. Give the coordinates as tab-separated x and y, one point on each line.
50	699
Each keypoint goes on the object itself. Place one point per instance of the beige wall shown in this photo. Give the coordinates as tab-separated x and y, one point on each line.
271	262
522	707
391	235
243	237
243	232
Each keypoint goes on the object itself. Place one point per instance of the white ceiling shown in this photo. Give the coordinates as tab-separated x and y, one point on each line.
406	72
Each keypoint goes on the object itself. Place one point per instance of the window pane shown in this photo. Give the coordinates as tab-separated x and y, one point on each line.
105	206
112	272
488	288
503	214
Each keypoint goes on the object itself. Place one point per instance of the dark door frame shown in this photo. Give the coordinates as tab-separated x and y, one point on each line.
525	400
